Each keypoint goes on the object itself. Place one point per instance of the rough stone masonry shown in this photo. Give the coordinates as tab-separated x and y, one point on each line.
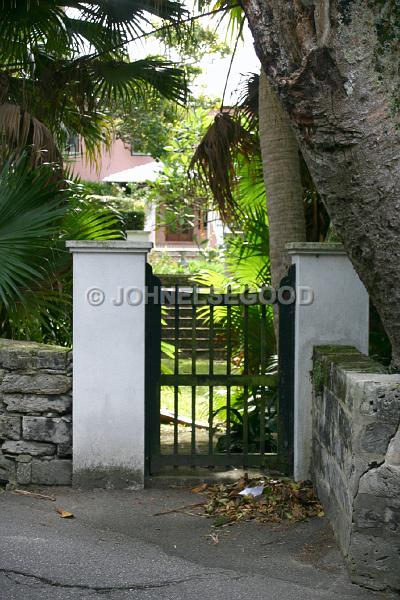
35	413
356	461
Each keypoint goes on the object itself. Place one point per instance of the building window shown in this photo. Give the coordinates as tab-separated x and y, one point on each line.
73	145
179	234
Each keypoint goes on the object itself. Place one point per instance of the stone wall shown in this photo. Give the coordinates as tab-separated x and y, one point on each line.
35	413
356	461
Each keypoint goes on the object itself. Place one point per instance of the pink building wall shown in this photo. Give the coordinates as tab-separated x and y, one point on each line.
118	158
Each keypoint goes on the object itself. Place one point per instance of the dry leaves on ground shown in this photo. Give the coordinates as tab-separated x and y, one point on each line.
281	500
64	514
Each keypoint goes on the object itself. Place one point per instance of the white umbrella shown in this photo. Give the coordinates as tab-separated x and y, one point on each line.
147	172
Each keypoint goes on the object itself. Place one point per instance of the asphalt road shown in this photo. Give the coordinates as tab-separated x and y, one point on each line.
116	549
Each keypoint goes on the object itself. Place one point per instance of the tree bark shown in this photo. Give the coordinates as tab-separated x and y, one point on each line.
322	57
281	167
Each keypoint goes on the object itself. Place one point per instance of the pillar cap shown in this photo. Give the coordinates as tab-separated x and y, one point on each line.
315	248
106	246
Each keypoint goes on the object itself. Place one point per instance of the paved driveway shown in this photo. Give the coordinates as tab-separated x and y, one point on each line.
116	549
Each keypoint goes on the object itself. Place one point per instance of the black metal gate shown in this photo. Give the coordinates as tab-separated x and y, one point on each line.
212	398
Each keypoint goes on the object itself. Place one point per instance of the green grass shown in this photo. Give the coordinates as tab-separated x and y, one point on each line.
185	392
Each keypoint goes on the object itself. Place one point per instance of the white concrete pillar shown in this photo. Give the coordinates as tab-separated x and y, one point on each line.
108	362
339	314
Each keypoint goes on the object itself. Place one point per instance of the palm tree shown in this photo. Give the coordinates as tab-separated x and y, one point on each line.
38	213
258	124
63	65
282	176
64	62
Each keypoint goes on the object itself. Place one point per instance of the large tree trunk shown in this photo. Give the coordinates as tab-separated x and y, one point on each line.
281	166
322	57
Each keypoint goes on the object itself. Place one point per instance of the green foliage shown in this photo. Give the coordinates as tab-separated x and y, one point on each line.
232	11
132	219
220	282
101	188
127	197
164	264
176	193
32	206
102	25
130	208
217	154
192	41
38	213
146	126
49	75
259	400
246	256
246	259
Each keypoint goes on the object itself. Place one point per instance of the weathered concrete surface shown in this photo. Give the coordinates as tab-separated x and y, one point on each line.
116	548
109	370
356	461
338	314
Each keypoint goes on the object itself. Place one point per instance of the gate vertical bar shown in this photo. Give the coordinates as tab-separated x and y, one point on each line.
263	361
152	367
211	372
176	368
228	371
239	448
286	353
246	388
194	356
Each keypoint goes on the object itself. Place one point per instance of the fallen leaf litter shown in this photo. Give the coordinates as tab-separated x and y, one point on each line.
263	500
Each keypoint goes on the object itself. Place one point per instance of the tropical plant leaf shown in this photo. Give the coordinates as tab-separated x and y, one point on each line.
214	158
247	107
31	207
26	24
97	35
38	213
113	78
48	73
19	129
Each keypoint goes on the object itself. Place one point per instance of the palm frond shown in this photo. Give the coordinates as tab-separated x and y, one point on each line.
234	13
59	88
249	190
214	159
19	129
130	15
31	207
248	253
37	215
113	79
91	220
247	106
25	24
84	32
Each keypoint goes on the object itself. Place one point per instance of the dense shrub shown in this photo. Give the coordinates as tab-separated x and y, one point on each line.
102	188
132	219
